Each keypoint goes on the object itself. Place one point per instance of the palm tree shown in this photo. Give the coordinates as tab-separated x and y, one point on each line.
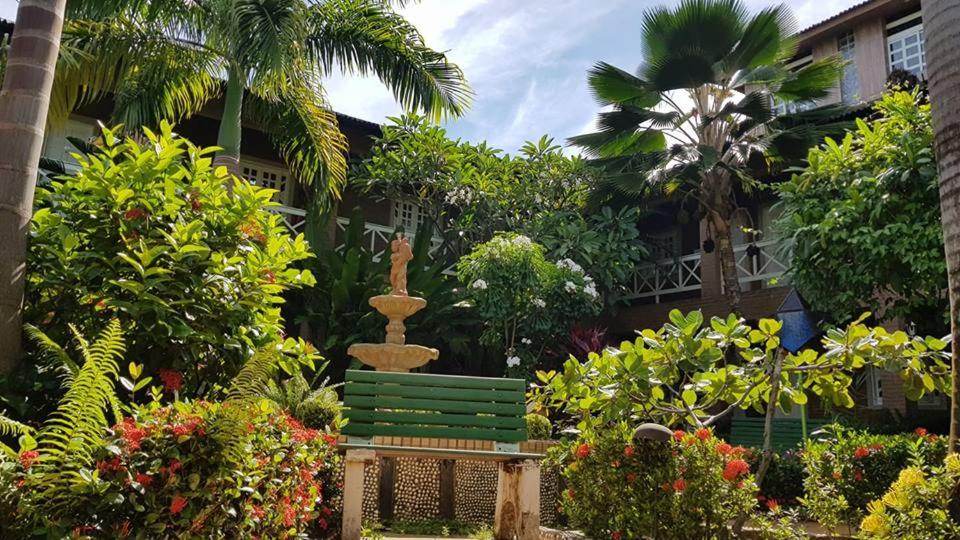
699	112
940	23
24	99
168	59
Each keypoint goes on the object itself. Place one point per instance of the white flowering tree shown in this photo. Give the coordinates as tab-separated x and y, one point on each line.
527	303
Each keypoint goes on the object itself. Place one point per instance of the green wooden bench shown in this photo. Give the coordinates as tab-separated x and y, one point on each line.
383	406
787	432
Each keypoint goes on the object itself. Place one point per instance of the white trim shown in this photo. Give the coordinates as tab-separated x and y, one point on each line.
874	388
904	20
280	179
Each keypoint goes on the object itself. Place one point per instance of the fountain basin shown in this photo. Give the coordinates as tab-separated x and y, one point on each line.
392	356
395	305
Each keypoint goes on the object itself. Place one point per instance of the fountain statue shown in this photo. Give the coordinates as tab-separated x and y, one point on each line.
395	354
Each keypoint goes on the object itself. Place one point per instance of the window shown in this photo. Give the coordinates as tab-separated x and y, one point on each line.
850	81
57	147
664	244
268	176
905	47
407	215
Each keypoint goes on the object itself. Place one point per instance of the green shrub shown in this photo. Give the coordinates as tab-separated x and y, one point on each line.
847	470
321	410
689	487
201	469
148	233
783	483
523	299
917	505
539	427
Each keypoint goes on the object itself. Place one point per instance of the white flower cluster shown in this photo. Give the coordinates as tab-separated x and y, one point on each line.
526	341
479	284
522	241
591	289
513	361
570	287
570	264
460	195
538	302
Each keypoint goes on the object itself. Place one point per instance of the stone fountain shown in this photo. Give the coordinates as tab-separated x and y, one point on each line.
395	355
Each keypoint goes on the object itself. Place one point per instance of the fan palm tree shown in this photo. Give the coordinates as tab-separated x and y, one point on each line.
940	23
167	59
697	114
24	100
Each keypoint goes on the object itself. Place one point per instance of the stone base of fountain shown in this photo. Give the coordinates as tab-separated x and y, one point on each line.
391	356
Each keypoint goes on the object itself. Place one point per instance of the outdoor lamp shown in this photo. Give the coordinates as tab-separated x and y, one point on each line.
653	432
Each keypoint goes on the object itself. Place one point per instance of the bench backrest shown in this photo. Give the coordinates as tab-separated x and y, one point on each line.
787	432
434	406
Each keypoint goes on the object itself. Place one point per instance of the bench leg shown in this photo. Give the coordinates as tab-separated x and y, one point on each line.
354	462
518	501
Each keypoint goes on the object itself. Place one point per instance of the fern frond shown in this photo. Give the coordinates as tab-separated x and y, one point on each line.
12	428
252	380
52	352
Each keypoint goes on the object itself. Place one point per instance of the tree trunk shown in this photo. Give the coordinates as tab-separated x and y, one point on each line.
24	100
728	260
941	24
231	125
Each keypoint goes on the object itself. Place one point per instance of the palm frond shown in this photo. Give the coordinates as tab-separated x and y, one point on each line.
605	144
811	82
366	37
708	29
612	85
304	128
765	39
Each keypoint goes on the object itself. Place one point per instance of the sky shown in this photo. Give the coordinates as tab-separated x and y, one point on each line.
526	60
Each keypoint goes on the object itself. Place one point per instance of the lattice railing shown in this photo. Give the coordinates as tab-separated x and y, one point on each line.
666	276
293	218
765	264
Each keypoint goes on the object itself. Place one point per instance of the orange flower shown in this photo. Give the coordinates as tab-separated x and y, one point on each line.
773	505
679	485
920	432
583	450
861	453
724	449
735	468
27	458
703	434
628	451
679	435
178	504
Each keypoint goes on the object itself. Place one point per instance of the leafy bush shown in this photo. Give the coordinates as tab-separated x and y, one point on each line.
917	506
783	483
539	427
315	409
148	233
850	468
865	222
690	487
607	242
185	470
523	299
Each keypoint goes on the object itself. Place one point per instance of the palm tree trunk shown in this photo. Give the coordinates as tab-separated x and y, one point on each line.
231	124
728	260
24	100
941	24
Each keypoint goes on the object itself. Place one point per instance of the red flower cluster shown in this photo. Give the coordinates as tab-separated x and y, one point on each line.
134	213
628	451
615	535
178	504
773	505
679	485
631	477
920	432
131	434
724	449
583	451
27	458
679	435
703	434
172	380
190	426
861	452
144	480
269	276
253	231
734	469
109	466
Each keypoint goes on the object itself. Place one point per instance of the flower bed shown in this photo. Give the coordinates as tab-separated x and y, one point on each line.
194	470
619	489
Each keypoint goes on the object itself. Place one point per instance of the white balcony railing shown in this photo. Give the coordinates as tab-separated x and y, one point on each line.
683	274
293	218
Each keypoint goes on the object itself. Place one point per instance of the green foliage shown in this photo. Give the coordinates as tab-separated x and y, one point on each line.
164	473
684	488
607	242
147	233
783	482
472	191
917	506
693	373
315	409
539	427
848	469
338	312
864	220
523	299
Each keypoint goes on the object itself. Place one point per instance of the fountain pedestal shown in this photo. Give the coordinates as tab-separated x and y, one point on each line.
395	355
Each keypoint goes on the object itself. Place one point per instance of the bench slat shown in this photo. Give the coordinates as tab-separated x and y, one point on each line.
455	394
422	404
499	435
442	381
440	453
407	418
